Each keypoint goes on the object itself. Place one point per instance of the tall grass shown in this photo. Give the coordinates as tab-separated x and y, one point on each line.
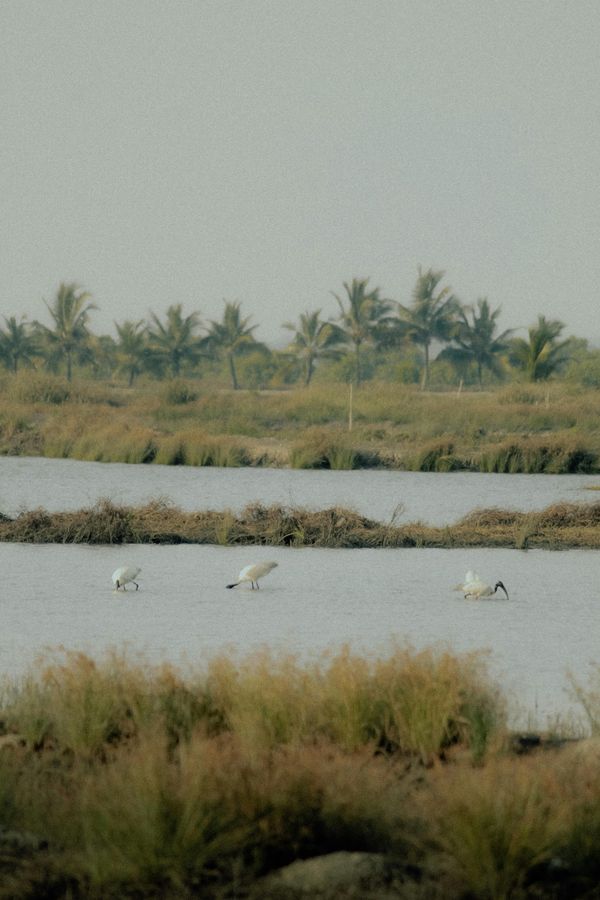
120	779
515	429
493	826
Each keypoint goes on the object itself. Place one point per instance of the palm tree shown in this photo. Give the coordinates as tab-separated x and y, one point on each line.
313	339
543	353
475	341
231	337
17	343
131	347
174	344
70	312
431	316
366	312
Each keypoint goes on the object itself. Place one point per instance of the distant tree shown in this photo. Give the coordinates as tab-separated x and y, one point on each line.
475	341
18	343
542	354
131	348
314	339
174	344
431	316
100	354
68	337
362	312
231	337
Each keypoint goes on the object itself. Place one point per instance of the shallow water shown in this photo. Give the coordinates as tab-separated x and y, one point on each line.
316	599
434	498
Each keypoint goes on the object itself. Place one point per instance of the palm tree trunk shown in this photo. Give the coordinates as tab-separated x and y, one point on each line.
425	379
358	372
309	371
234	380
69	366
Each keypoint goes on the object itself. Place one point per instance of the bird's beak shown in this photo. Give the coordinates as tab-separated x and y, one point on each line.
500	585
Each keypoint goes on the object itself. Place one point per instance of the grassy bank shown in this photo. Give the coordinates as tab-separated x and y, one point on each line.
123	780
514	429
560	526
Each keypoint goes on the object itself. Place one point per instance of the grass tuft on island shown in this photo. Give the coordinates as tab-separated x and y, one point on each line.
126	780
559	526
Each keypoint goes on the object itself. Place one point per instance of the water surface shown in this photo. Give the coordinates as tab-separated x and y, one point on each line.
432	497
316	599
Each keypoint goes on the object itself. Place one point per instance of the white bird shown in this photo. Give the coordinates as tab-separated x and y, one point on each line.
253	572
475	588
124	575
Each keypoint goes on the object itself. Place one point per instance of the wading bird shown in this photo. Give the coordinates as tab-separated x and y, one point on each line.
252	573
474	588
124	575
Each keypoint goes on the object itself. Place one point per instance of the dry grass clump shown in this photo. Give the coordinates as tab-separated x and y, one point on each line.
122	780
559	526
491	827
535	455
411	703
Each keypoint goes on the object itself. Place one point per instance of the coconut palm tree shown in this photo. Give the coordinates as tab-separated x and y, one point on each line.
541	355
475	342
431	316
70	313
131	348
313	339
231	337
18	343
174	344
365	312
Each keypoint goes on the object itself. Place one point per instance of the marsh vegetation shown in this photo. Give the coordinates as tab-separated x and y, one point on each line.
560	526
514	429
118	779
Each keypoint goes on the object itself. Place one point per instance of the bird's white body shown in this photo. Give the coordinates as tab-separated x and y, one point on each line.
253	572
125	575
475	588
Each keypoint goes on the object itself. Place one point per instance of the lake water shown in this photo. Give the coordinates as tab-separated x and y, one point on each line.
55	595
432	497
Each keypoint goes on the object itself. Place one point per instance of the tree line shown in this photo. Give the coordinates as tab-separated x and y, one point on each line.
368	333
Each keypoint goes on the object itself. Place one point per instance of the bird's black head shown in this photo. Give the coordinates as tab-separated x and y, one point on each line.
500	585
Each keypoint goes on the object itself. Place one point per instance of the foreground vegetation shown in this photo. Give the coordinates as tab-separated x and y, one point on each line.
125	780
513	429
559	526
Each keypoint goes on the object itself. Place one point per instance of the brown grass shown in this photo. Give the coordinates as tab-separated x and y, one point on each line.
559	526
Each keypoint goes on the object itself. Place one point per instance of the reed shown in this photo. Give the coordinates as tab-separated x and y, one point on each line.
561	525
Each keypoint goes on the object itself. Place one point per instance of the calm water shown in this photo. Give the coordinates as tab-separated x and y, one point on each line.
316	599
61	595
435	498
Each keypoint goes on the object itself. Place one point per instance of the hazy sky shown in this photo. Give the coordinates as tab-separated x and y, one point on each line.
266	151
